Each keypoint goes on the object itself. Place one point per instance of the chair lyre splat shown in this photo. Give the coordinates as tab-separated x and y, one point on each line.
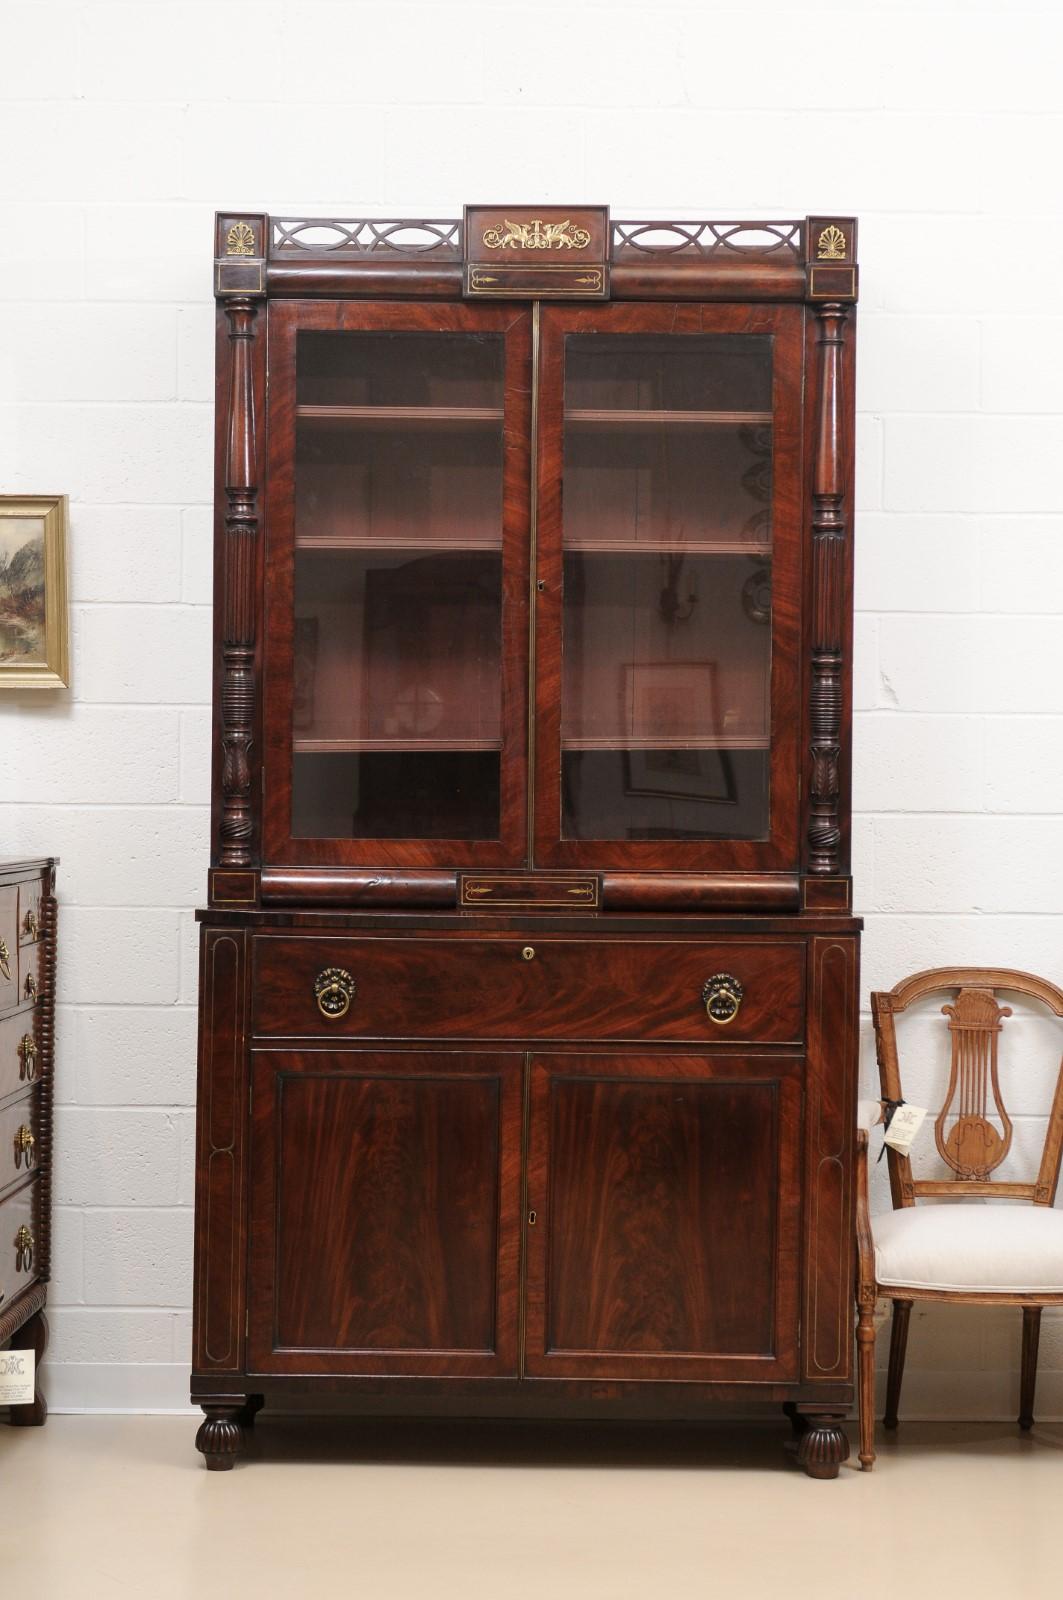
1010	1255
967	1141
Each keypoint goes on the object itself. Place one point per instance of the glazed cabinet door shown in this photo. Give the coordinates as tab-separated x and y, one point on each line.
385	1212
397	584
668	599
663	1209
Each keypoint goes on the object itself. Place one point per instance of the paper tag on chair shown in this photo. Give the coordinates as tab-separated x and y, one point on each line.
903	1127
17	1377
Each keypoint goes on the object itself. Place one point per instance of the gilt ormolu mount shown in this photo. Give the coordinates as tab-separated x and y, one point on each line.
533	673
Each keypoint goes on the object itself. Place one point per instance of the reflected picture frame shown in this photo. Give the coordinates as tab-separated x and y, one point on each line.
34	625
670	693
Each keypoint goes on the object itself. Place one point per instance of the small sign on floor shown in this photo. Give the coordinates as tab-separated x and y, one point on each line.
17	1377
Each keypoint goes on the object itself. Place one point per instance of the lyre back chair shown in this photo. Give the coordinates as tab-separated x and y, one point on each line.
1010	1255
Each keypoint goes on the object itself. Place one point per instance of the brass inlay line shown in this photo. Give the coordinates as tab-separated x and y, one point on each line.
533	557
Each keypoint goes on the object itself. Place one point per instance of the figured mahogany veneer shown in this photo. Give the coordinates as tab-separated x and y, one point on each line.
529	988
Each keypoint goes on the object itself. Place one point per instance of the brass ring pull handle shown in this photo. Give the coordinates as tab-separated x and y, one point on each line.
23	1249
722	997
31	924
334	991
24	1143
33	988
5	961
27	1054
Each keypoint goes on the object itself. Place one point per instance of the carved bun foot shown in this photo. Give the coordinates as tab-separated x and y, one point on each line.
33	1335
823	1447
220	1436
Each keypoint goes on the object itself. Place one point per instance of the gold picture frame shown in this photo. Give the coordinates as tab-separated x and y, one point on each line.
34	632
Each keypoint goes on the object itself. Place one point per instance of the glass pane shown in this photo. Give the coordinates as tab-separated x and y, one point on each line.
398	586
666	716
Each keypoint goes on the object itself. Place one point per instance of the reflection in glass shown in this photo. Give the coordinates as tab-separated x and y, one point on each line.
666	719
396	713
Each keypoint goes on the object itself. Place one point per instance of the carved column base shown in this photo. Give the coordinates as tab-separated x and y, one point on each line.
220	1437
33	1335
823	1446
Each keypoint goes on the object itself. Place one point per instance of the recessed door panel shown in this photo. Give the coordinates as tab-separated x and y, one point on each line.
384	1212
665	1240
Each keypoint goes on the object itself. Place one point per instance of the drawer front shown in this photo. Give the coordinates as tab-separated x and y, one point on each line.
29	911
20	1062
19	1127
9	981
535	988
19	1252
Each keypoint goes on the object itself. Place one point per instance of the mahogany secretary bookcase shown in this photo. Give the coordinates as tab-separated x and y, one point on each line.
529	974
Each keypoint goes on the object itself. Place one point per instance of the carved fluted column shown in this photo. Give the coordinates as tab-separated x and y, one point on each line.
238	626
828	582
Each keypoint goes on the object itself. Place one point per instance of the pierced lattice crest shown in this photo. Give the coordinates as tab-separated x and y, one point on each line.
966	1138
365	237
705	238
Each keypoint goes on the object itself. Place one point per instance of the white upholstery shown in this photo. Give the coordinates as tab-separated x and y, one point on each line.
1000	1248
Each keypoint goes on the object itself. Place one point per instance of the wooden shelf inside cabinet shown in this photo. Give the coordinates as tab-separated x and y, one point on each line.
723	741
637	418
311	746
667	547
409	416
458	547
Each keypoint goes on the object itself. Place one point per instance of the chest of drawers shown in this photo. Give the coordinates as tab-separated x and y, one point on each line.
27	1066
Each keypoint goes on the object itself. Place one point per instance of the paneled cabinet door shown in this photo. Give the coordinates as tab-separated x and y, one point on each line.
385	1212
663	1209
669	570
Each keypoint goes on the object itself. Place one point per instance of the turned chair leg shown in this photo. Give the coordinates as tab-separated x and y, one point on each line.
1031	1338
865	1349
902	1310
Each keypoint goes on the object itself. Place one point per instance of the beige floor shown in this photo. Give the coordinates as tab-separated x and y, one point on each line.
103	1506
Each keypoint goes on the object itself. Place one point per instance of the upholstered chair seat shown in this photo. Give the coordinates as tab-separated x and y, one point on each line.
996	1248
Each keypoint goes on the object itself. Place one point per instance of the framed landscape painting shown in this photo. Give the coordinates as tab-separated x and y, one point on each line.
33	619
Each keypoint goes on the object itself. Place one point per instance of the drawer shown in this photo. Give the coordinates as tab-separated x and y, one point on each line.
20	1061
640	989
29	911
19	1126
19	1252
8	946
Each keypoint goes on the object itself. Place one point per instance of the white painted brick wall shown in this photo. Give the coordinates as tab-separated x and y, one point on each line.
125	125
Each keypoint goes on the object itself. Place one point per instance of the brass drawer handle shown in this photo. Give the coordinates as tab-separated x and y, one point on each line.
23	1249
33	988
27	1054
722	997
24	1143
5	960
31	924
334	990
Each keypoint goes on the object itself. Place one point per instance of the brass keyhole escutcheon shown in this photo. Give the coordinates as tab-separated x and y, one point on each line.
334	990
27	1052
722	997
24	1143
5	960
528	952
533	1217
